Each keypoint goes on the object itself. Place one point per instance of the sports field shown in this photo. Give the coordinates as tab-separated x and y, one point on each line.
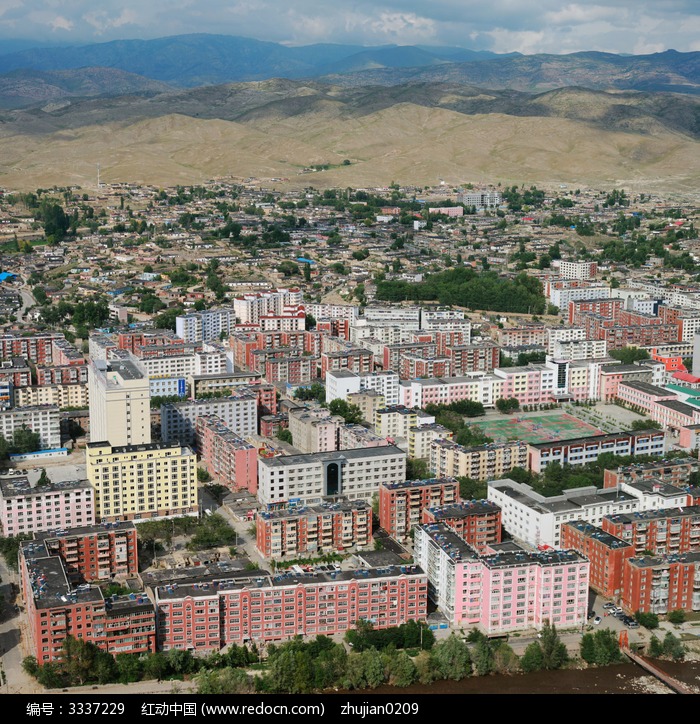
536	428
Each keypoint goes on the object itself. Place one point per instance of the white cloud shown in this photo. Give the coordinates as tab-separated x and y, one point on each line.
528	26
61	23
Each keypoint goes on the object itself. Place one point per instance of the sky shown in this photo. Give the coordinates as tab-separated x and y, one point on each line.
526	26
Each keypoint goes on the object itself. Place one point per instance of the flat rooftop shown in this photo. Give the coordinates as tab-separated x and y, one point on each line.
597	439
427	483
264	580
645	515
337	456
598	534
465	509
117	526
19	486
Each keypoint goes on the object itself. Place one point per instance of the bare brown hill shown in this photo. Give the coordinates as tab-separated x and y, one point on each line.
411	134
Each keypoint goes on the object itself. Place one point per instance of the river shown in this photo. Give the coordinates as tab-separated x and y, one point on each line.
619	679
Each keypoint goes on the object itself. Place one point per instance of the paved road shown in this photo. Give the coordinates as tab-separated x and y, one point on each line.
13	639
27	301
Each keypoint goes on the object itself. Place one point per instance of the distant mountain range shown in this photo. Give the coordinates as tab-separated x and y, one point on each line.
188	108
187	61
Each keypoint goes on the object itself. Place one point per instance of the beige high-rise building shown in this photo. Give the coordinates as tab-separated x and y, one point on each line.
133	482
120	402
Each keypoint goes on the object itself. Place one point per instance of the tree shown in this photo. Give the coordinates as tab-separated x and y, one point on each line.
601	648
673	648
532	659
44	479
656	648
677	617
645	424
554	654
648	620
629	355
507	405
30	665
25	440
451	658
403	671
78	658
352	414
416	469
285	435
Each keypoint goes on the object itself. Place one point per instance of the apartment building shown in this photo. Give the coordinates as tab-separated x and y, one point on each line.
230	459
537	520
63	375
584	450
94	552
298	532
239	412
250	307
314	429
583	270
292	370
56	608
607	554
41	419
396	422
16	371
484	462
475	357
667	531
341	383
660	584
74	395
134	482
478	522
26	509
535	334
356	474
205	325
356	360
356	436
120	402
401	504
505	591
421	437
674	472
205	613
37	347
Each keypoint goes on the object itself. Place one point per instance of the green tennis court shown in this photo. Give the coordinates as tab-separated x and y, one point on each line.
536	428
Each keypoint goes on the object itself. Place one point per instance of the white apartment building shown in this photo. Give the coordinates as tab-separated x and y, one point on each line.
42	419
120	402
205	325
341	383
481	199
564	334
561	297
578	349
356	474
394	316
250	307
536	520
350	312
239	413
314	429
583	270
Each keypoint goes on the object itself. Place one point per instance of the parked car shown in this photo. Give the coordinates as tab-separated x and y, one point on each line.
609	606
597	620
633	624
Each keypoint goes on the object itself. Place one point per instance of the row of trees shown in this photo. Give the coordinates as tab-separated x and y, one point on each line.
465	287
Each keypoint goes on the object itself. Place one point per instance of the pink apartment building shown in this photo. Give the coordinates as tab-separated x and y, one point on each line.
211	611
227	456
57	506
505	590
